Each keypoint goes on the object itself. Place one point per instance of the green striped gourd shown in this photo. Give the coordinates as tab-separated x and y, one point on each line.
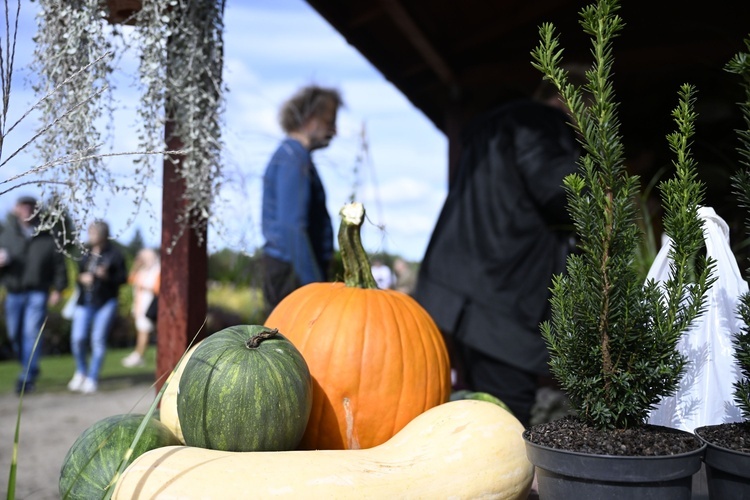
245	388
95	456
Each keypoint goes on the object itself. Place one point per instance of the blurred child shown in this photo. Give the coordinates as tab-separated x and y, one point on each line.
145	279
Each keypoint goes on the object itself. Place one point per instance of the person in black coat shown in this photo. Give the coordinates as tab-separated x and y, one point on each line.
101	272
502	234
32	270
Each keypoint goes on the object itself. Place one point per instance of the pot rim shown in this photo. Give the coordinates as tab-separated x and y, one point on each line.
687	454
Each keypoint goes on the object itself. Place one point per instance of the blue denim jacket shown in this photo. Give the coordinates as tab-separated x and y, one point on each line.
296	224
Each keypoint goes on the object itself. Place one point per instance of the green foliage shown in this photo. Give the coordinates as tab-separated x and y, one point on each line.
238	268
613	339
648	248
244	302
742	355
740	65
136	243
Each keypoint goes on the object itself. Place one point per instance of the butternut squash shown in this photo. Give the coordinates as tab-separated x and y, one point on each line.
168	404
460	449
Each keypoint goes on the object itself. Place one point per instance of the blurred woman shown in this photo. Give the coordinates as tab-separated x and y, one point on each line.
145	279
101	272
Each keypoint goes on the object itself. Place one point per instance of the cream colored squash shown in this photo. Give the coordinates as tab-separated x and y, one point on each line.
460	449
168	403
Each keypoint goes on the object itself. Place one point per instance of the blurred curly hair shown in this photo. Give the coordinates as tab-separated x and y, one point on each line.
307	102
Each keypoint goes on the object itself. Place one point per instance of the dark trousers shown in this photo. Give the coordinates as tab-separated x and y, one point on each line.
514	386
279	280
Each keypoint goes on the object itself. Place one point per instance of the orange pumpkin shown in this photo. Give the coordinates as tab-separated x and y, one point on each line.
376	357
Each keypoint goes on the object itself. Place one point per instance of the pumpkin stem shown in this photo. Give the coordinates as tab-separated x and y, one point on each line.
254	341
357	272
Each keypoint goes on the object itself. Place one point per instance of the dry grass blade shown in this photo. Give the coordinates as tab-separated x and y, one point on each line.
16	438
129	452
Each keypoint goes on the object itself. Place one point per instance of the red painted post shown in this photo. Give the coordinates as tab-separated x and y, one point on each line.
184	265
184	271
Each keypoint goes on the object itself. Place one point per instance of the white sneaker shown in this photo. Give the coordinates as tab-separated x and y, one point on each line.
89	386
76	382
132	360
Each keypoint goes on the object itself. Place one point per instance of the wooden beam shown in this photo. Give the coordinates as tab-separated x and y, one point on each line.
518	72
367	16
514	18
420	42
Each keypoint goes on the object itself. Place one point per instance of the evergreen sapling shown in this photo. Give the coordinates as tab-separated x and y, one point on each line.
613	339
740	64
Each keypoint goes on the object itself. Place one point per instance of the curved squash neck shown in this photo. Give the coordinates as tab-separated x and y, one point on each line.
357	271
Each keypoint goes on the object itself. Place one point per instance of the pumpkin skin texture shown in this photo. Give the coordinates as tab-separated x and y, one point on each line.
95	456
461	449
244	388
376	356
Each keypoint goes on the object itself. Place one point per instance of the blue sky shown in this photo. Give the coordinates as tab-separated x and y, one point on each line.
272	48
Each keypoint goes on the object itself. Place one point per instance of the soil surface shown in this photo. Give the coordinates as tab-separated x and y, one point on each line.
50	423
732	436
569	433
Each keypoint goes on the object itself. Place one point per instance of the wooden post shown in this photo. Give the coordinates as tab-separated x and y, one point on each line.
184	271
184	264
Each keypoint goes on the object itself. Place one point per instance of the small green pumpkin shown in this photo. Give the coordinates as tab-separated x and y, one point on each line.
95	456
245	388
478	395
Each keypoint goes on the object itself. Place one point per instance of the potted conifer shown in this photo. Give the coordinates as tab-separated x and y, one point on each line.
727	456
613	339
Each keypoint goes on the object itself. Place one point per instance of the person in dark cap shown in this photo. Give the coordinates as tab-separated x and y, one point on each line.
27	200
33	272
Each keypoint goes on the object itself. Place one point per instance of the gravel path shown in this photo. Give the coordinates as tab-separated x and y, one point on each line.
50	424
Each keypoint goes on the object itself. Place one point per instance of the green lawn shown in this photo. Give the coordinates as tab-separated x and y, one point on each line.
56	371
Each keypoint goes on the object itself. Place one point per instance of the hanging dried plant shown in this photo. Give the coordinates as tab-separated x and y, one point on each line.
180	45
194	102
72	58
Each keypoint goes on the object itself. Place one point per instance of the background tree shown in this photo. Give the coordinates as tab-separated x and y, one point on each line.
136	243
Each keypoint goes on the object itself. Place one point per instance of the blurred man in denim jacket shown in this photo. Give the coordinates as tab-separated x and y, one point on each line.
296	224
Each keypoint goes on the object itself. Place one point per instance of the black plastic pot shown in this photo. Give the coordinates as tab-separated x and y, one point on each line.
565	474
727	471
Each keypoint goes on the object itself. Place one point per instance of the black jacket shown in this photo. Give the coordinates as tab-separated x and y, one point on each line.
503	232
108	287
35	262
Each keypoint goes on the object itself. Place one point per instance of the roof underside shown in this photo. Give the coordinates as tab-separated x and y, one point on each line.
472	53
452	59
